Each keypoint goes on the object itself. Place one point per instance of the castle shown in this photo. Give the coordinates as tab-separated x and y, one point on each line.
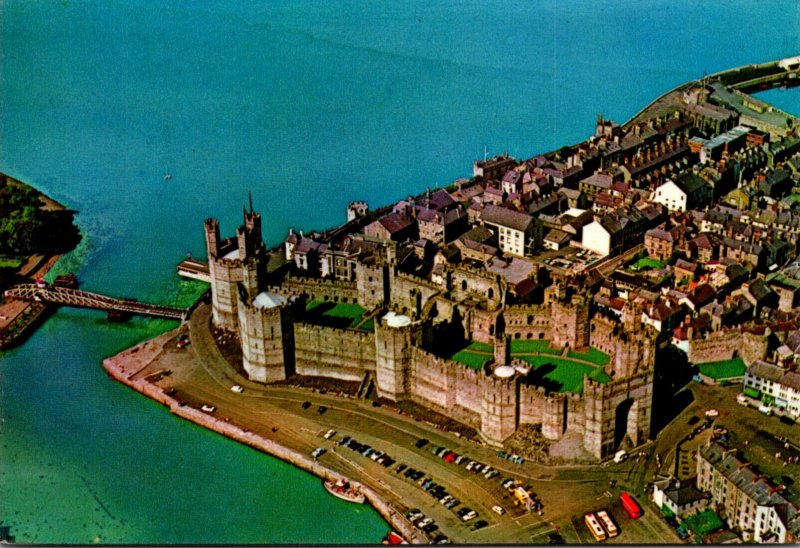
413	314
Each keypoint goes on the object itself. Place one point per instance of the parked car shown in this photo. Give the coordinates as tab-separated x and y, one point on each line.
472	514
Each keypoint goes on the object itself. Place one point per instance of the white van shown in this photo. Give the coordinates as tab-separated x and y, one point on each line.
765	409
620	455
741	399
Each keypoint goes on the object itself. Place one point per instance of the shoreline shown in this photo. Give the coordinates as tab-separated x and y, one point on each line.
123	367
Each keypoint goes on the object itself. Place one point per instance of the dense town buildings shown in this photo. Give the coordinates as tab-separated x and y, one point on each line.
482	299
751	504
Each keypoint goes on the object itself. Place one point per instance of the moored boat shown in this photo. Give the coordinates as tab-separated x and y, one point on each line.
342	489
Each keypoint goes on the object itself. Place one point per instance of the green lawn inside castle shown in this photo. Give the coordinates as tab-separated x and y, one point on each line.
551	367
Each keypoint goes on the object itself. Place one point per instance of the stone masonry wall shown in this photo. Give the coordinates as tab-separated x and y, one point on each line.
466	282
344	354
528	322
724	345
325	290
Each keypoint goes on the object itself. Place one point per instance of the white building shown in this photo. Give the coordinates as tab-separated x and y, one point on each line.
670	195
597	238
517	233
776	382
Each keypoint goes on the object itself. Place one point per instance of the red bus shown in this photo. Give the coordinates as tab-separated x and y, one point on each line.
630	505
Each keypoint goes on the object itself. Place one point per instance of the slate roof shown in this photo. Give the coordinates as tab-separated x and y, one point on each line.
503	216
684	495
395	222
740	474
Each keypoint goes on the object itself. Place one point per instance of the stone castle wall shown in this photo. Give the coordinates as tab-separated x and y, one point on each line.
724	345
322	289
344	354
468	282
528	322
410	293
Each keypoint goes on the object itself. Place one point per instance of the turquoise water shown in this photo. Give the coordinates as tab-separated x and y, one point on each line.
309	105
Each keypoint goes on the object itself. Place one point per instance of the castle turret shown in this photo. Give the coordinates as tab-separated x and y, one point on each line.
225	272
393	337
500	407
212	237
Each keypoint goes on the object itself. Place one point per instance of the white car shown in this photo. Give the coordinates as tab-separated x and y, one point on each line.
469	515
498	510
237	388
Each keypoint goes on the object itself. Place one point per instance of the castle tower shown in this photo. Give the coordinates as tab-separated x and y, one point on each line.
393	334
500	406
617	414
212	237
233	261
570	321
755	346
266	330
225	272
502	350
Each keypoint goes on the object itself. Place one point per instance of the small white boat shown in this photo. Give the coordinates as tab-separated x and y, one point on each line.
208	408
167	176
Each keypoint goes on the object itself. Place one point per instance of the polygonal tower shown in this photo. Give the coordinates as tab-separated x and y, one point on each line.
500	406
266	331
233	261
393	339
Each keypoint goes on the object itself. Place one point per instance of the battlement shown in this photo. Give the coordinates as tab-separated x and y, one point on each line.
419	281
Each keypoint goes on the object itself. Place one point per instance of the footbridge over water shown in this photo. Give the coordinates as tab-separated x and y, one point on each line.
84	299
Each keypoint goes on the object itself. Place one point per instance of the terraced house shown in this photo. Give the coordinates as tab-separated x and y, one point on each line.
751	504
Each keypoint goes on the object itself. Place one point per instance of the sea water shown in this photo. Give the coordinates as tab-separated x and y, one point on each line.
308	105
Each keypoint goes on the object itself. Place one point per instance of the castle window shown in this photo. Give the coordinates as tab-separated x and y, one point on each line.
529	335
530	320
463	285
490	293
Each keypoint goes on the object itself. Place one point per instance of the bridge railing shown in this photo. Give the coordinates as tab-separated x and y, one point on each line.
85	299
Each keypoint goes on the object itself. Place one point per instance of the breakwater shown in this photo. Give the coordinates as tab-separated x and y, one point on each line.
124	368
